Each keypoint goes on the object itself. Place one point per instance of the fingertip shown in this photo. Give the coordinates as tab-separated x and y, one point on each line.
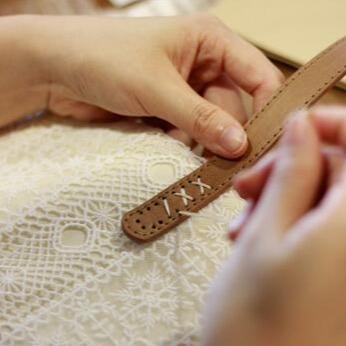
299	130
216	129
236	225
233	235
250	182
234	141
241	182
238	179
224	152
330	123
214	148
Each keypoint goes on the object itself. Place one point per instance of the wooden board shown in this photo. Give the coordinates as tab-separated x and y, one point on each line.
292	31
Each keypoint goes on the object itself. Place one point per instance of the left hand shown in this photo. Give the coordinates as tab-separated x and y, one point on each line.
186	70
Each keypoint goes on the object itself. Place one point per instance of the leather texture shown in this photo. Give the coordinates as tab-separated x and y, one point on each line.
193	192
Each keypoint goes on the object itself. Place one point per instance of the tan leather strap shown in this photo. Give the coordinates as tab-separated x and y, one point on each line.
173	205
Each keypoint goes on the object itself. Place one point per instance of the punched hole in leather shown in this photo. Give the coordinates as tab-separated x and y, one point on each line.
179	201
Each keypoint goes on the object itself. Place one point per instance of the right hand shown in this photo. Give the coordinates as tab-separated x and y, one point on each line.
285	282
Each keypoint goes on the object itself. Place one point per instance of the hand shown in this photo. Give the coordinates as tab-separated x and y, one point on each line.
285	283
185	70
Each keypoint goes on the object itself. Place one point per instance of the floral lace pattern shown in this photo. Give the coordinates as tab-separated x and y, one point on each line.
68	274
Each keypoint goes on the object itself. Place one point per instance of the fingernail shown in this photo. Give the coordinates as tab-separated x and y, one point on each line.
233	140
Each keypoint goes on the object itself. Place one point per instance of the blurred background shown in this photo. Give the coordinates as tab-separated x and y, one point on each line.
115	7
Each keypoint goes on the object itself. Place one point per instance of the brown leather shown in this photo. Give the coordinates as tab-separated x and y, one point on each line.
305	87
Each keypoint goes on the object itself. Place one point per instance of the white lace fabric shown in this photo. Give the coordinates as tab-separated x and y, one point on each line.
68	274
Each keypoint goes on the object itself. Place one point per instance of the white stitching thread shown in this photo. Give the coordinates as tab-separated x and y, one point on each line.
186	197
168	210
187	213
201	185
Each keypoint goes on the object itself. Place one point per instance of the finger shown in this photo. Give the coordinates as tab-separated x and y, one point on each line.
331	211
335	161
225	94
249	68
296	178
325	224
250	183
207	123
330	122
180	136
238	223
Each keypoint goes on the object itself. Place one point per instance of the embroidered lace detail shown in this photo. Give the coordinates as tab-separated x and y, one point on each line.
68	274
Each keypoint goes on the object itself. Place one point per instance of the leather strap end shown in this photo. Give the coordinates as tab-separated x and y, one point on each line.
193	192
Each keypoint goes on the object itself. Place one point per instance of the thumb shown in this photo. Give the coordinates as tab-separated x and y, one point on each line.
177	103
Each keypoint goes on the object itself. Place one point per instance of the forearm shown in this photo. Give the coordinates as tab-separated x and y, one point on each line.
23	87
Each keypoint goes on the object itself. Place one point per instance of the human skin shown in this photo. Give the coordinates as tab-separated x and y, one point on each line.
188	71
285	282
185	70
